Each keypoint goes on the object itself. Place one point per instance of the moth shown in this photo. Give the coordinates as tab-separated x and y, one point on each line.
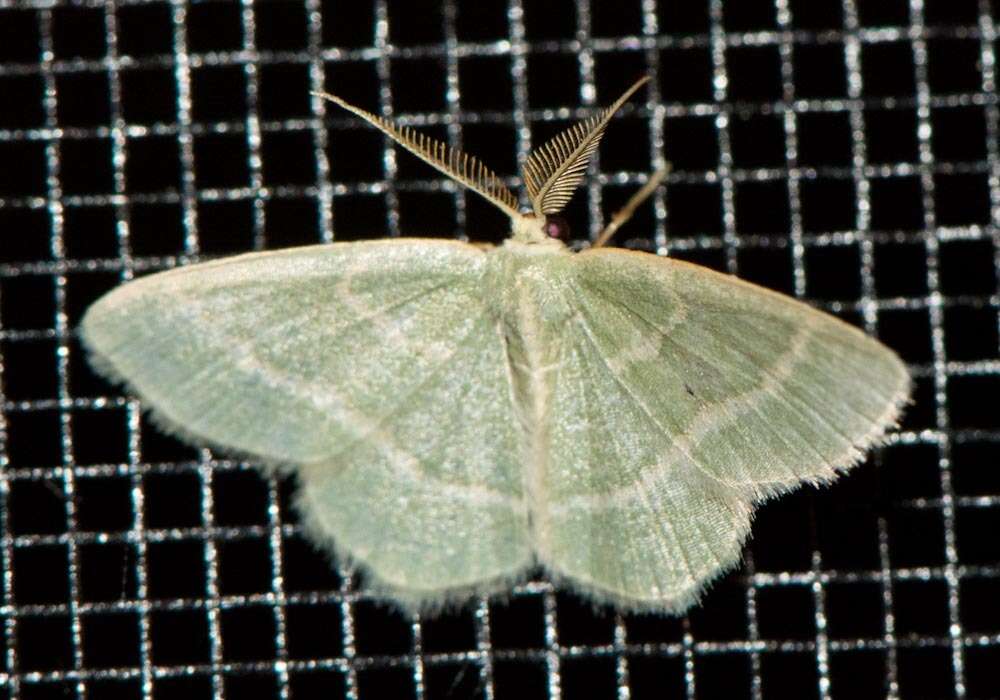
458	415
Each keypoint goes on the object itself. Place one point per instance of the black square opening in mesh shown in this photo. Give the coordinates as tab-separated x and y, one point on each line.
925	672
44	642
768	266
833	273
99	436
817	14
291	221
104	504
148	95
79	32
382	631
284	91
85	166
30	444
753	15
176	568
321	683
594	676
387	682
820	71
145	30
555	20
455	680
757	141
552	80
110	640
691	142
281	25
347	24
417	24
28	360
897	204
313	631
156	228
25	94
972	473
450	632
887	69
288	158
792	674
726	618
182	687
722	675
959	133
858	674
244	566
695	209
785	612
221	160
900	269
154	166
227	225
40	574
855	610
754	73
29	177
247	633
482	21
656	676
91	232
520	678
170	500
76	106
980	667
762	207
962	12
688	75
19	41
114	689
107	572
953	65
179	636
824	139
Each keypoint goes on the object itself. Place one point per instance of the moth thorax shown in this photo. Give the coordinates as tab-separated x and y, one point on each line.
527	228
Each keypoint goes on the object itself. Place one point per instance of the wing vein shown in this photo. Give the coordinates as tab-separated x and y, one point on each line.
670	437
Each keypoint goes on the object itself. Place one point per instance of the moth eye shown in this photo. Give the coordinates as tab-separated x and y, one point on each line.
556	227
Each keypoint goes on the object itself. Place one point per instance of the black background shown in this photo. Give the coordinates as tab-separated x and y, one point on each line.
842	151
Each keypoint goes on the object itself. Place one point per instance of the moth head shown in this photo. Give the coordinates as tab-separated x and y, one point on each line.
551	173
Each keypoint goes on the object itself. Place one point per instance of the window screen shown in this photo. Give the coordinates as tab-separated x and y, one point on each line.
842	151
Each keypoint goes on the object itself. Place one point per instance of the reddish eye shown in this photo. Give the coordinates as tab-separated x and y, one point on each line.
556	227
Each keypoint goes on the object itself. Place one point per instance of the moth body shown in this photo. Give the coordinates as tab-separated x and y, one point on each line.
458	415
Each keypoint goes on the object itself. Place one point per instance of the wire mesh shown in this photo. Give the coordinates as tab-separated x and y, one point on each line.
842	151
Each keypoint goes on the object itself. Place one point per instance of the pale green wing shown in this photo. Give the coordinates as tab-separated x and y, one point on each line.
371	367
685	397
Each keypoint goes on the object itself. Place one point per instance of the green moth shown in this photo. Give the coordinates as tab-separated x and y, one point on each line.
457	415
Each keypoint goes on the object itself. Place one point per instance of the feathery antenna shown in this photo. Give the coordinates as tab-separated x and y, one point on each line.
553	171
461	167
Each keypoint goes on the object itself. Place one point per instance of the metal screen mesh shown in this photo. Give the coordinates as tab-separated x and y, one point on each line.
838	150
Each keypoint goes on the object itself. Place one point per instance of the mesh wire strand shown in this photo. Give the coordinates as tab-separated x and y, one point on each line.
570	645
